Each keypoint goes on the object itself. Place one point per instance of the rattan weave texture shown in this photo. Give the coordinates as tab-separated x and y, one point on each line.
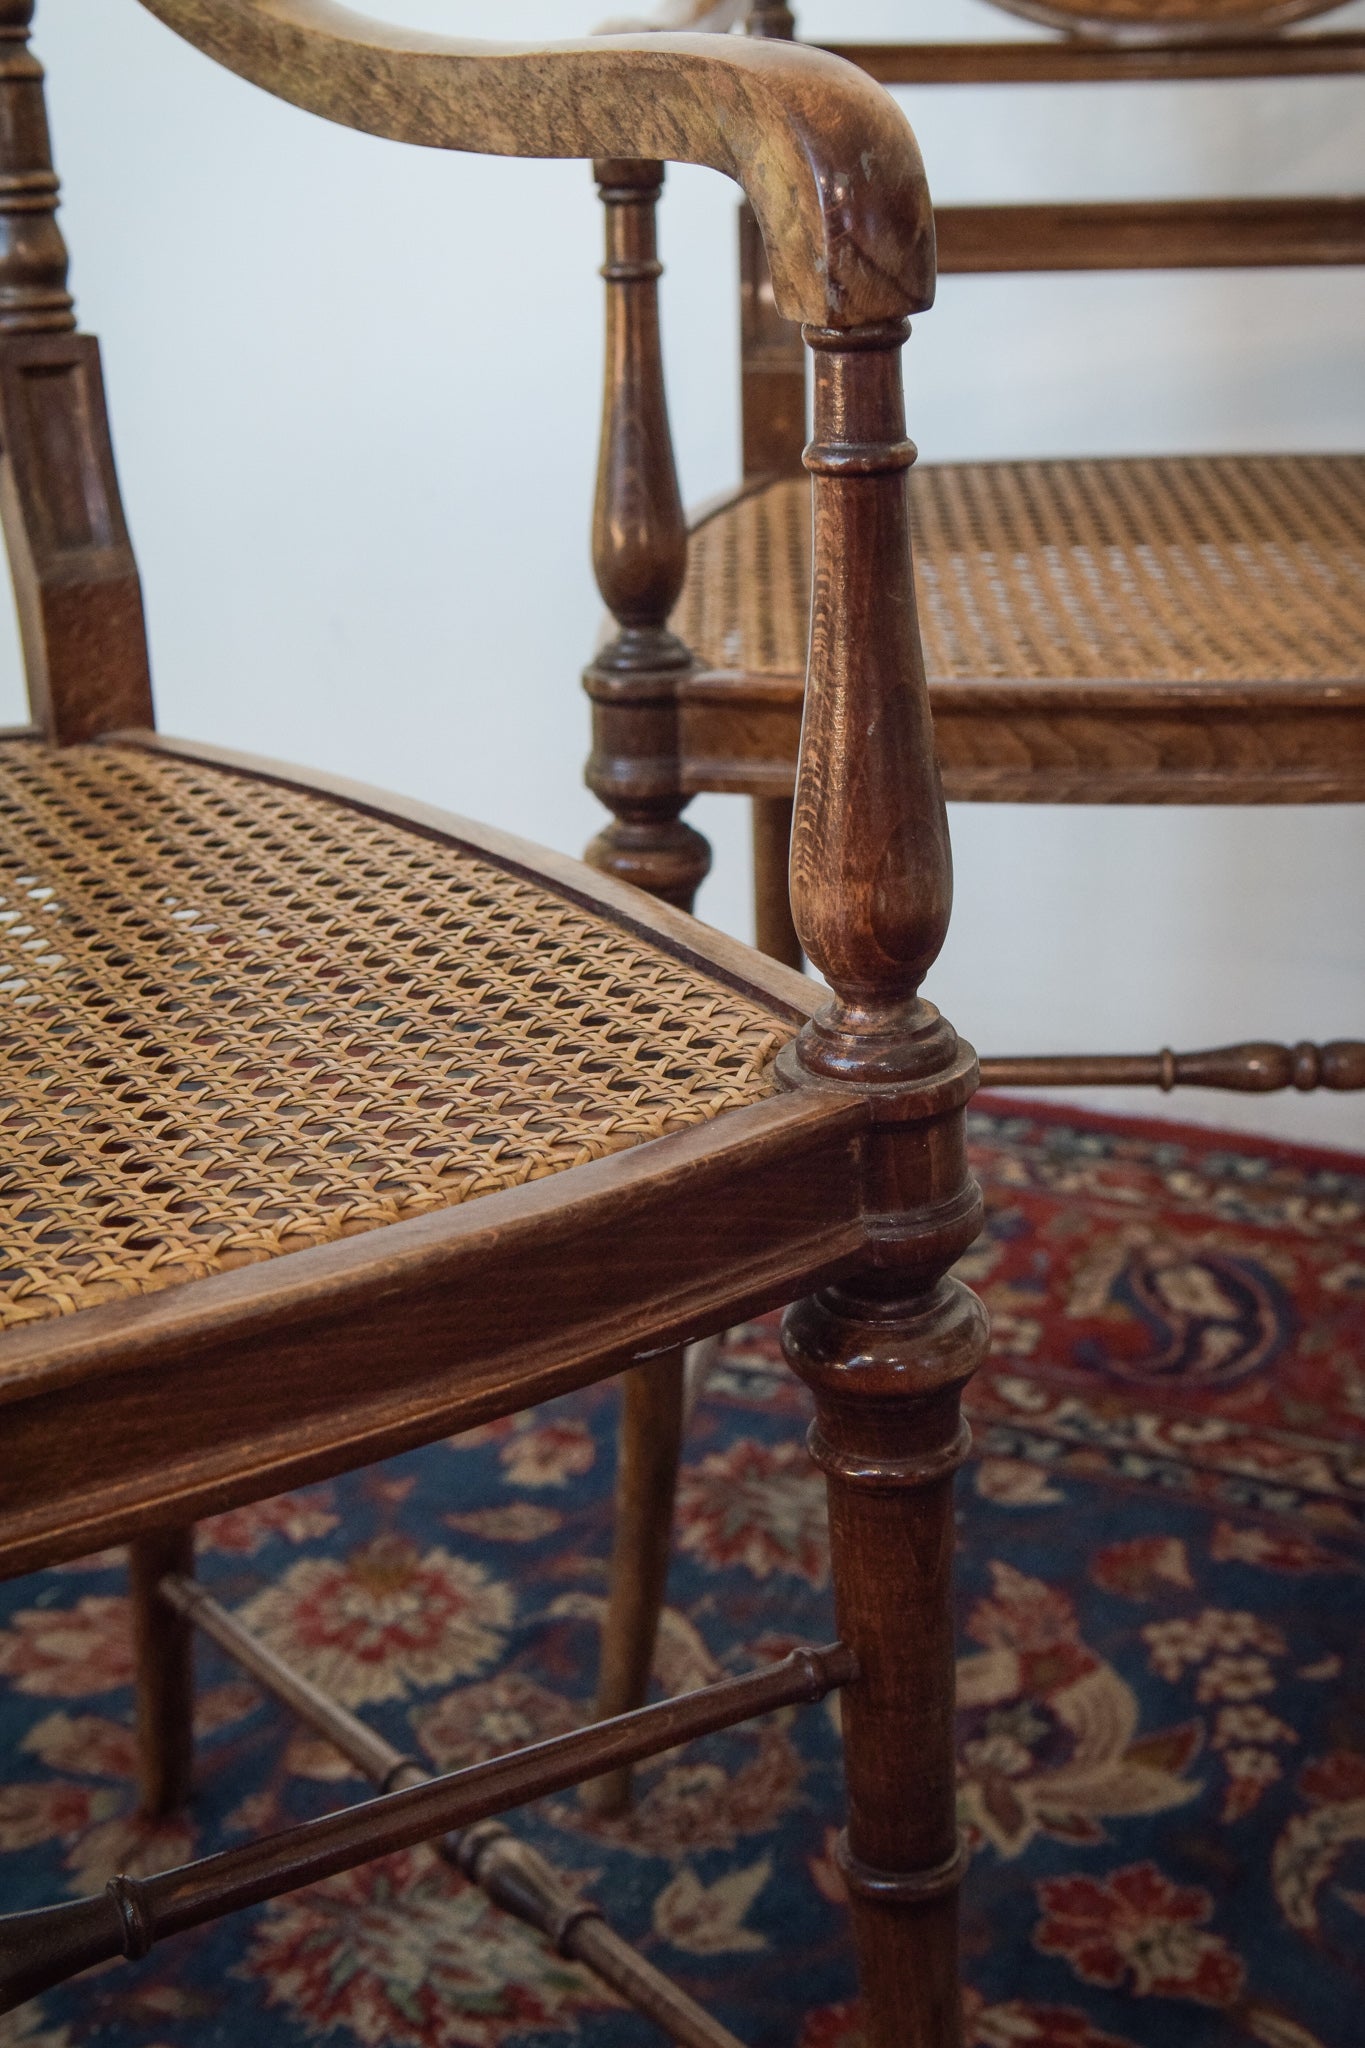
237	1020
1192	569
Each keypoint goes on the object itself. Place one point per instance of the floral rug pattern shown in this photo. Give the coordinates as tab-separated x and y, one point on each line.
1162	1671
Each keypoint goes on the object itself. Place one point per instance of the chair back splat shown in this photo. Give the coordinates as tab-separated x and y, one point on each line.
839	1171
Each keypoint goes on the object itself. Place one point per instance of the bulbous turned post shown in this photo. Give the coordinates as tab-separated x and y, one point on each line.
640	556
887	1351
33	260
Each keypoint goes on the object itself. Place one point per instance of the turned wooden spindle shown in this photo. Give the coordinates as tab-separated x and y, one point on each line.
1259	1068
888	1351
33	294
640	556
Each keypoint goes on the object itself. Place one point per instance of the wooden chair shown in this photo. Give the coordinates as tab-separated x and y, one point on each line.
333	1124
1184	630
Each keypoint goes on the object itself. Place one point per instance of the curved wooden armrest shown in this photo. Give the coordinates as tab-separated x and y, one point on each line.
826	158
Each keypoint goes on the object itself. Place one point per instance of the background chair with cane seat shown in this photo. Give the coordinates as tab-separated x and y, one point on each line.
332	1124
1154	631
1145	631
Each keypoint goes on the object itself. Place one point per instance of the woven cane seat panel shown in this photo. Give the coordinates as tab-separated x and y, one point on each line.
1216	570
237	1020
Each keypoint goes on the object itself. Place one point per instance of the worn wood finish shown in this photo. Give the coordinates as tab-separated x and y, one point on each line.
642	1530
43	1948
1256	1069
828	162
1084	61
640	555
163	1656
513	1875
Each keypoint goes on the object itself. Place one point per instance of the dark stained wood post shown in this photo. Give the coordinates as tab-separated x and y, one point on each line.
33	294
163	1648
886	1352
75	580
650	1447
640	556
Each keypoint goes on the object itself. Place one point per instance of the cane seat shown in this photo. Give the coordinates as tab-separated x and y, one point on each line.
1187	571
238	1019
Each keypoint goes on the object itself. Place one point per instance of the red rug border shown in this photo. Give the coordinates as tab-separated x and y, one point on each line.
1156	1128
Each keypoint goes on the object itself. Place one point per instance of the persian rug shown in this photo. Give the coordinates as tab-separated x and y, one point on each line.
1162	1679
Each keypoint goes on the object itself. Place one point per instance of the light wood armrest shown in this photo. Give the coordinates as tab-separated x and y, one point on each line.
826	158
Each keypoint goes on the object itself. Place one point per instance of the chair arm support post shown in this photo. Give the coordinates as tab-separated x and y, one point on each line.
888	1350
640	556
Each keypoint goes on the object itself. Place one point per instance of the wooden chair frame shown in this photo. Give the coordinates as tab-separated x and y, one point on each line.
847	1192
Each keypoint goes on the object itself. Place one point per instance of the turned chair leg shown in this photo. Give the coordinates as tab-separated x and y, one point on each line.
163	1649
646	1481
774	932
887	1376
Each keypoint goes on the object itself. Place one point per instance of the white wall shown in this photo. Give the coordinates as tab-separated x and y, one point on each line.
355	393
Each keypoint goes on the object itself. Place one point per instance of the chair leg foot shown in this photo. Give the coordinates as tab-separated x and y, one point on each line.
646	1481
163	1648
